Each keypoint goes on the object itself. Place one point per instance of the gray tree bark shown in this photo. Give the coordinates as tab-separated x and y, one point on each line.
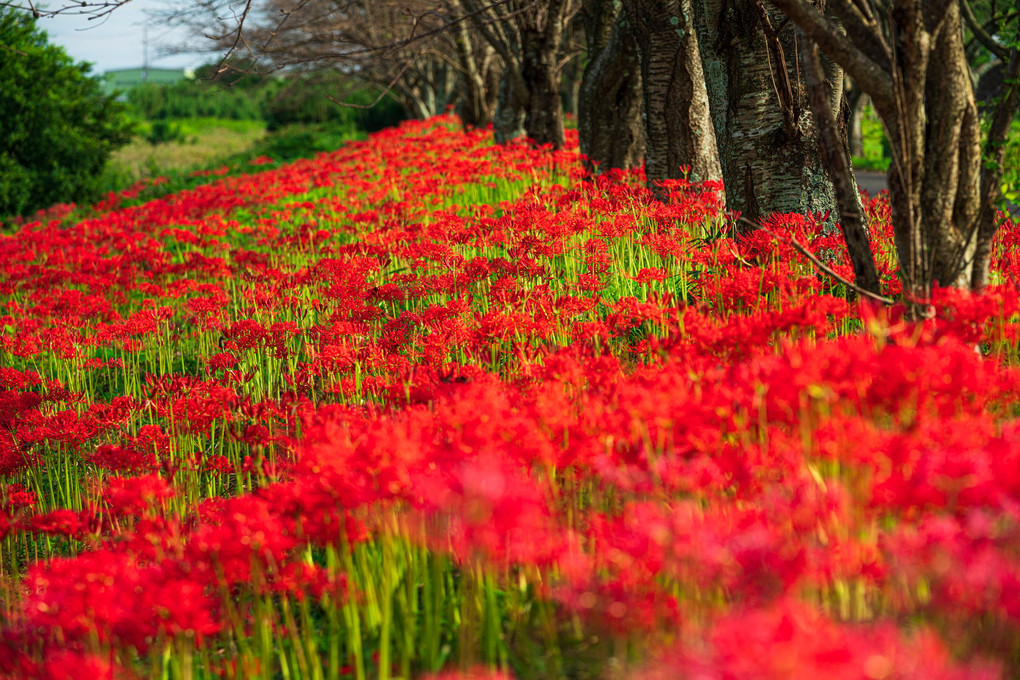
479	78
836	158
767	140
912	62
609	120
540	70
678	126
511	108
856	102
528	37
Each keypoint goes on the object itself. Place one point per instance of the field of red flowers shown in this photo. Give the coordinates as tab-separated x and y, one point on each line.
431	407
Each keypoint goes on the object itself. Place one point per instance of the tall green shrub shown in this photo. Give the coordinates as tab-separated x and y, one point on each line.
57	128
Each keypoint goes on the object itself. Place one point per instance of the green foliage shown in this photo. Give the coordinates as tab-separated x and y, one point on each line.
237	93
312	98
57	129
302	141
236	73
164	131
1011	167
199	99
876	154
283	146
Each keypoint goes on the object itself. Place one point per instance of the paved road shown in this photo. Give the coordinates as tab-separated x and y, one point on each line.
873	182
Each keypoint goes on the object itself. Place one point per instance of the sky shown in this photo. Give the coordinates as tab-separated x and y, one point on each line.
117	41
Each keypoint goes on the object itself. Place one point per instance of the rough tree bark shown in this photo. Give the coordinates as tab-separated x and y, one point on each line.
572	63
511	108
991	175
540	47
678	127
767	141
911	61
426	90
528	37
479	78
609	121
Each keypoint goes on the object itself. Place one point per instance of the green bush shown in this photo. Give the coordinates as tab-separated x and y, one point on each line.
877	154
57	129
163	131
1011	167
299	98
299	140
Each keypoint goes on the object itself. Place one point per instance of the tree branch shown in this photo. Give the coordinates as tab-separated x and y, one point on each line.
859	21
92	10
818	263
991	176
840	49
981	34
835	158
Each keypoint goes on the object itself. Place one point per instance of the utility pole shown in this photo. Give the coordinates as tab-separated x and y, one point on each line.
145	52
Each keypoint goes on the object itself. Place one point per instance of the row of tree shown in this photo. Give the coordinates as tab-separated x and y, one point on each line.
757	93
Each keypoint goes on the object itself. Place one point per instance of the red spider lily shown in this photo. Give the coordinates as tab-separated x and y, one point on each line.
790	640
594	410
80	598
135	496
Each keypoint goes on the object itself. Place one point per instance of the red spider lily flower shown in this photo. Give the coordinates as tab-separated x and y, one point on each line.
137	495
71	665
56	523
80	597
474	674
791	640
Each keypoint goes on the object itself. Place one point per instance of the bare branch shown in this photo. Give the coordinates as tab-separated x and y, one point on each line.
87	8
835	158
981	34
385	91
818	263
859	21
860	66
240	37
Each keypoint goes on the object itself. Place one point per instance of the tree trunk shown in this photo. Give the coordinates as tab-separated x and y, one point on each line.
609	121
528	38
913	63
991	176
836	158
856	103
477	102
544	120
570	84
767	143
951	188
679	136
511	108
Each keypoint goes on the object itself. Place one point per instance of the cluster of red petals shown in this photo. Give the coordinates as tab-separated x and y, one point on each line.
673	434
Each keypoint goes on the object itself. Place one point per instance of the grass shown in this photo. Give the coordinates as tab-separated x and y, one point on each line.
202	141
210	146
875	155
